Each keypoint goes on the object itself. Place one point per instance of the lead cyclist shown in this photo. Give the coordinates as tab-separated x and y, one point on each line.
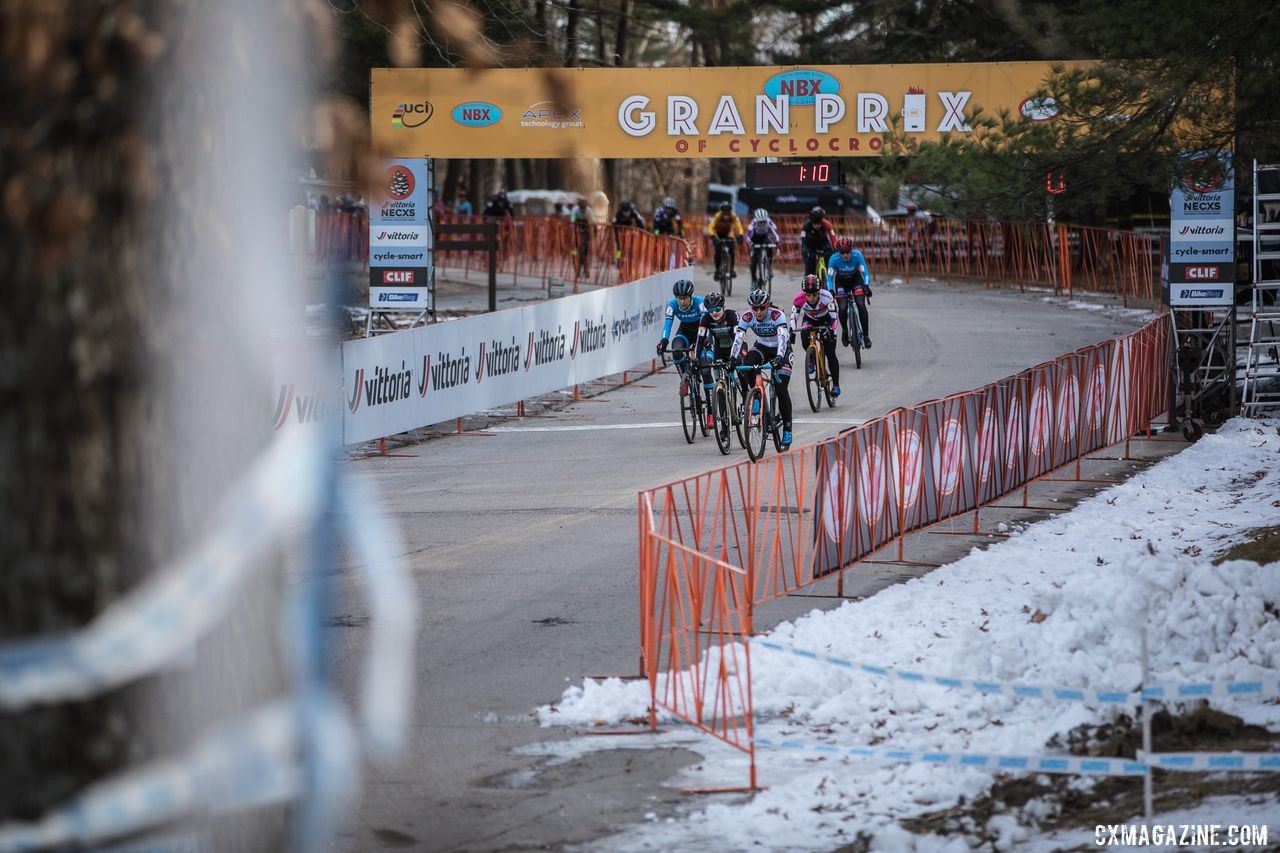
850	280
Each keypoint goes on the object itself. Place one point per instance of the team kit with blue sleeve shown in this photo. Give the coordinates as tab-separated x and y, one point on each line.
850	280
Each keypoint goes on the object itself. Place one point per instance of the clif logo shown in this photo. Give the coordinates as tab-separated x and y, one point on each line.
412	115
397	276
1202	273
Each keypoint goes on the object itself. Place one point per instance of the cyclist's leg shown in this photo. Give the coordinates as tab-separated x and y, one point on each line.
842	306
747	378
782	378
833	363
805	332
862	317
810	262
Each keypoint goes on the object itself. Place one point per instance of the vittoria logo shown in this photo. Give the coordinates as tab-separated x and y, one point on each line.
499	360
387	385
305	408
545	348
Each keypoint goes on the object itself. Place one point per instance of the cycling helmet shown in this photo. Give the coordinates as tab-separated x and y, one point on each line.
817	214
843	245
761	214
713	301
682	288
668	202
725	207
625	206
811	284
758	298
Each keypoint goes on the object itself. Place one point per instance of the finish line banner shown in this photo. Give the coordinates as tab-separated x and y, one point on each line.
819	110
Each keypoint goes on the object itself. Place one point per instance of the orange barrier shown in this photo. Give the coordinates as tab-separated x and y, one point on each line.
1064	257
715	545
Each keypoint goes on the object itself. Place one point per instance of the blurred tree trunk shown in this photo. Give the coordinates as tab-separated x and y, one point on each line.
571	35
72	422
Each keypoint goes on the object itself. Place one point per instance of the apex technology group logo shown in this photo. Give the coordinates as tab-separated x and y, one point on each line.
553	115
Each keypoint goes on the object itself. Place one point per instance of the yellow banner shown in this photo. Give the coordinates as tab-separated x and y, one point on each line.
803	111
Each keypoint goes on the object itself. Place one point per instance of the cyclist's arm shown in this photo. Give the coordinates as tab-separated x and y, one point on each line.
773	233
666	325
738	230
739	336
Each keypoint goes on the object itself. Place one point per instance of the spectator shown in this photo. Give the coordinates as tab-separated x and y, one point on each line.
499	206
463	205
581	218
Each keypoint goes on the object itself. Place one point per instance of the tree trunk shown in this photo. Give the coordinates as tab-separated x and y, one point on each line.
452	176
571	35
621	36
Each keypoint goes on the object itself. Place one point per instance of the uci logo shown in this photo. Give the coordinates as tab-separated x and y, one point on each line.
412	115
476	114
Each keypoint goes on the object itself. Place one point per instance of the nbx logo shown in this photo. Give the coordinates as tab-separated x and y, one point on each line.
801	88
477	113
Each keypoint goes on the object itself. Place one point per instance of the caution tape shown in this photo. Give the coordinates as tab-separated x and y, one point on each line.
1234	689
1204	761
251	763
1228	689
980	685
978	761
164	619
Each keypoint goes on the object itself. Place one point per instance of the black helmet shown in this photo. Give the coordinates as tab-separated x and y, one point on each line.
811	284
725	207
759	297
713	301
683	287
626	205
817	213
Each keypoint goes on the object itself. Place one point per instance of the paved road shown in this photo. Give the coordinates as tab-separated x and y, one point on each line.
522	549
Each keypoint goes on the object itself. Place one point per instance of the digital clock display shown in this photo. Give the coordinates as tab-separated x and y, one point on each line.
816	174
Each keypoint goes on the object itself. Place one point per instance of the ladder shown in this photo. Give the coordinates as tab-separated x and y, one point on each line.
1260	395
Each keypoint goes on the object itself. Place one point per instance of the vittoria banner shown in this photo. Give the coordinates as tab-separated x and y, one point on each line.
397	382
820	110
400	247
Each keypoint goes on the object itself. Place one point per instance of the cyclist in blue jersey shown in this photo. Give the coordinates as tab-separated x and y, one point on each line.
773	343
686	309
850	280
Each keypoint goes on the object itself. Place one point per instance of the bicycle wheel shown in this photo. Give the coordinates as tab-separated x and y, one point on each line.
766	274
812	377
855	334
755	426
722	410
775	422
739	415
728	270
689	411
702	409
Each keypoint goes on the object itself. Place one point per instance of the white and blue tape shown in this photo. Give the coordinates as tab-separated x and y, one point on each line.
979	761
251	763
1266	686
163	620
1212	761
1236	689
980	685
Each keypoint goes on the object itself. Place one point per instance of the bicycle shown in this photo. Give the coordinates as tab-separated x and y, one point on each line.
760	412
692	411
762	265
817	382
726	407
724	265
851	326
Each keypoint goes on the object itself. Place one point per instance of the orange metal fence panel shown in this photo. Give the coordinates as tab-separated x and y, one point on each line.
715	545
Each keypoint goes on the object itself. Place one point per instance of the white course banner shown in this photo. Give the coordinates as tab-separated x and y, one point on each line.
397	382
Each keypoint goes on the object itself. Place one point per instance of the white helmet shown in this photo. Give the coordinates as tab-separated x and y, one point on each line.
668	202
760	215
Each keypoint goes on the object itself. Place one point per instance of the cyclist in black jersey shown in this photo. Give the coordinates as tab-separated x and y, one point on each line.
716	331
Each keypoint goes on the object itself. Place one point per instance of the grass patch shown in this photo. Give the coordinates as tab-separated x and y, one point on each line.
1262	547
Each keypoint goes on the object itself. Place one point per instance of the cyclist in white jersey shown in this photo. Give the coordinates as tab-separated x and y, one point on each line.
773	344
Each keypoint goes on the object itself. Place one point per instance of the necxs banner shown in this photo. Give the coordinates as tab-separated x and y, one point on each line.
397	382
819	110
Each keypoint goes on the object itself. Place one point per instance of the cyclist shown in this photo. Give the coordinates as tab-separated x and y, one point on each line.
816	237
725	226
761	232
773	340
814	312
687	309
667	220
627	216
848	277
716	331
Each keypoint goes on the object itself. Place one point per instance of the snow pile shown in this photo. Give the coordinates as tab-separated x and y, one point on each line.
1062	604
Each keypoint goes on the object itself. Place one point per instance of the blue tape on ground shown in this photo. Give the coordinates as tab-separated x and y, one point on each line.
1026	763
